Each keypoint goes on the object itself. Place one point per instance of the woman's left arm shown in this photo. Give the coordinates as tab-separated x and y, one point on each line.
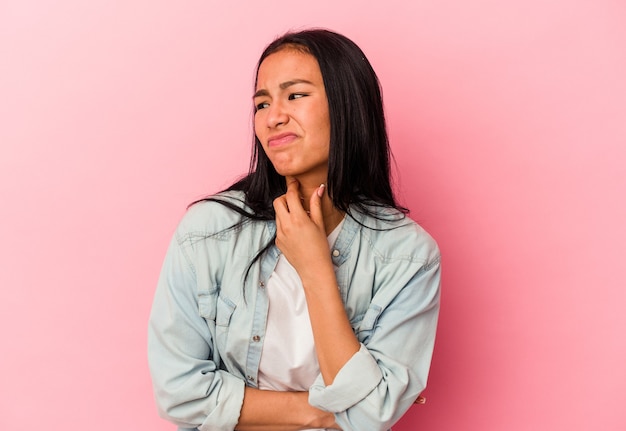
369	385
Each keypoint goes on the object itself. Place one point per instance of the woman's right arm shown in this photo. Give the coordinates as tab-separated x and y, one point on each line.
281	411
189	388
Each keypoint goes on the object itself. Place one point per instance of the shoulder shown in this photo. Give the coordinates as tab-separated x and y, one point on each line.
395	236
213	215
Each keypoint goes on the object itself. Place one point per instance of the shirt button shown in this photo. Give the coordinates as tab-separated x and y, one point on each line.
262	285
256	338
336	253
251	378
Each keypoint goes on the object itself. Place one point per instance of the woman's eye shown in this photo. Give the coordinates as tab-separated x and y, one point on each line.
296	96
262	105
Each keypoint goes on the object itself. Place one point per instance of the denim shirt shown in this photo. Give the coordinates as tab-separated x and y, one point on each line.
207	324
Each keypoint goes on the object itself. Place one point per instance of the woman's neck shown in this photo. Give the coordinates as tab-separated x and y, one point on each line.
332	216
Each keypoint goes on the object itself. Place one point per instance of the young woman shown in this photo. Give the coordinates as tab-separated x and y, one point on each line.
302	297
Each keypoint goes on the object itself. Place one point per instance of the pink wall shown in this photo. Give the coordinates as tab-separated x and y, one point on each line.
508	121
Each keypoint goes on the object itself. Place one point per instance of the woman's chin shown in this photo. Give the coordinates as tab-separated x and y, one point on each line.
315	173
286	171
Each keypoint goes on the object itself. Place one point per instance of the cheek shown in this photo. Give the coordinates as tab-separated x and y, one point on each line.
324	121
258	129
323	127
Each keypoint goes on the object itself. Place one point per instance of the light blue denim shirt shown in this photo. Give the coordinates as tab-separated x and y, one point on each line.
207	324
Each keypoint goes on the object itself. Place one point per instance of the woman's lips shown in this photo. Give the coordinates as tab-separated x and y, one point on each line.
282	139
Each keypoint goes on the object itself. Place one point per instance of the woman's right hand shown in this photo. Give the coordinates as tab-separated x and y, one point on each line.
301	236
281	411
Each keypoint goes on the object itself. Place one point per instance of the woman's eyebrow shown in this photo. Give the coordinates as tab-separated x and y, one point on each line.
283	86
288	84
260	93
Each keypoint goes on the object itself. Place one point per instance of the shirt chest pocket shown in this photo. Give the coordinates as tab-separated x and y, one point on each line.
217	310
364	324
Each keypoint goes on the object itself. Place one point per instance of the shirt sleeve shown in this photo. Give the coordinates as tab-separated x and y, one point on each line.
189	388
383	379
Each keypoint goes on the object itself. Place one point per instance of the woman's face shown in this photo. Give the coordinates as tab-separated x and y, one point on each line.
292	120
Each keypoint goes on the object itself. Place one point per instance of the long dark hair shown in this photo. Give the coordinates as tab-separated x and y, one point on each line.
359	175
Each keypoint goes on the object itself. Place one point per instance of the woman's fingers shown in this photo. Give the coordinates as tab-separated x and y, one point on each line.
293	199
281	210
300	234
315	205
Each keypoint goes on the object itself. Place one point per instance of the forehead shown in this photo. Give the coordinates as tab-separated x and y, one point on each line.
288	64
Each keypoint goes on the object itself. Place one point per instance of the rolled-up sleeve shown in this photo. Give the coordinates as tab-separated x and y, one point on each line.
340	395
383	379
189	389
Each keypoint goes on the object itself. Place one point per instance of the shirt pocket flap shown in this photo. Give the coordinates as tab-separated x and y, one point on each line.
364	325
225	309
207	304
370	318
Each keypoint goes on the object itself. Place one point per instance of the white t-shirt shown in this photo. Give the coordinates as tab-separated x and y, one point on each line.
288	360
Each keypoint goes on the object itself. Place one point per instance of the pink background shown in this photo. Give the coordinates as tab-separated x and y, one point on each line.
508	123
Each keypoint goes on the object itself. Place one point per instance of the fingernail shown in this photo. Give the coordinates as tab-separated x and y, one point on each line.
320	190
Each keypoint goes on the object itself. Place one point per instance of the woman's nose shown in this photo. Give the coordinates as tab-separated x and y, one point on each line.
277	115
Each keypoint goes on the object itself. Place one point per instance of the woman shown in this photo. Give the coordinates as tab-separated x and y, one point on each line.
302	297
